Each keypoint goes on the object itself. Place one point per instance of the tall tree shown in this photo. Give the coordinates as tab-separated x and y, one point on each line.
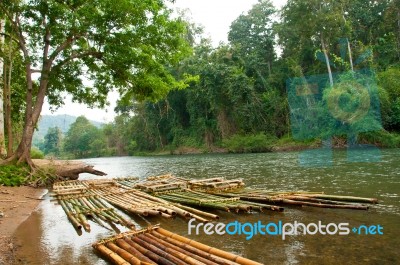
81	137
52	141
126	44
252	38
3	151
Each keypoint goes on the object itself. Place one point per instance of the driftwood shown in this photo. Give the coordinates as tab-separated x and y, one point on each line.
66	169
73	174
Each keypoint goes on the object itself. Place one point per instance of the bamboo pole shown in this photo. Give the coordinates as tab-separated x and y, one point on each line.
158	251
179	255
111	255
82	218
345	198
194	203
209	249
181	250
153	256
320	205
123	253
196	211
124	245
70	216
194	250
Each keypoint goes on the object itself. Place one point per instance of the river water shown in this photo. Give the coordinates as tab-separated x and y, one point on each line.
47	237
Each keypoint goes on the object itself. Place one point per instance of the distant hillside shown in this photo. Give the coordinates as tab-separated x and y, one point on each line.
61	121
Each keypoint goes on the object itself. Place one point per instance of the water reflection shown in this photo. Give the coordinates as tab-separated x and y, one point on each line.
48	238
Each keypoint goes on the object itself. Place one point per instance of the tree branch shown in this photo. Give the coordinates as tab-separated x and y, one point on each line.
11	37
46	41
64	45
95	54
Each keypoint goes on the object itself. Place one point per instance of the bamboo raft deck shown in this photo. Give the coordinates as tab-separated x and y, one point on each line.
209	193
168	196
204	200
310	199
155	245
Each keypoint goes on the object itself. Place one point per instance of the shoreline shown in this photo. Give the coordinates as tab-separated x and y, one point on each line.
16	205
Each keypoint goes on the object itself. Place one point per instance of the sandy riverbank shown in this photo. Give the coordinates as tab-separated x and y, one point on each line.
16	205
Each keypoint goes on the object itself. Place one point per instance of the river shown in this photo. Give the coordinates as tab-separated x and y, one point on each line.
48	238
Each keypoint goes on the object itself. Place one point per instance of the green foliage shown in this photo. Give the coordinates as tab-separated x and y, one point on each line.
235	94
249	143
36	153
53	141
83	139
12	175
88	40
240	96
87	49
389	81
381	138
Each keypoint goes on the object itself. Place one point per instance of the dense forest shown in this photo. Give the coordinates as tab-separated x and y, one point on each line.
240	100
239	96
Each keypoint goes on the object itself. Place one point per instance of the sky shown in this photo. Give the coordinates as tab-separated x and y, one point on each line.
216	17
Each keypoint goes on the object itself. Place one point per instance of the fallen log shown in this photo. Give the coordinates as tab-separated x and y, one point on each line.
66	169
73	174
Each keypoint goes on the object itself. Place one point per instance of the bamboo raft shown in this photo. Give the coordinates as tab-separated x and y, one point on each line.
161	183
204	200
98	201
80	208
311	199
155	245
168	196
215	184
138	202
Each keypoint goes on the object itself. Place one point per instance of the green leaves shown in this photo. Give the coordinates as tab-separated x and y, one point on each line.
83	139
126	44
12	175
52	141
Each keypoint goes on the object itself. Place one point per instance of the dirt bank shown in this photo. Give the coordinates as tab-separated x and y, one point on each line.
16	205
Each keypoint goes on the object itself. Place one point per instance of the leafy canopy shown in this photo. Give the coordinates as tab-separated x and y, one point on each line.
95	46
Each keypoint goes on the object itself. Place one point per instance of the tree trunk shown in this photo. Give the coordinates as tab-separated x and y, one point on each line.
73	174
350	55
324	50
398	36
3	152
7	98
32	116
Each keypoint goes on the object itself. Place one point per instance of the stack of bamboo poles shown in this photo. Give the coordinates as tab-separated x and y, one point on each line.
215	184
100	183
313	199
70	187
162	183
80	208
128	183
144	204
205	200
159	246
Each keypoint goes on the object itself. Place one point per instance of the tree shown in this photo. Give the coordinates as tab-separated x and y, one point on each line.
252	38
3	151
126	44
309	26
83	138
52	141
